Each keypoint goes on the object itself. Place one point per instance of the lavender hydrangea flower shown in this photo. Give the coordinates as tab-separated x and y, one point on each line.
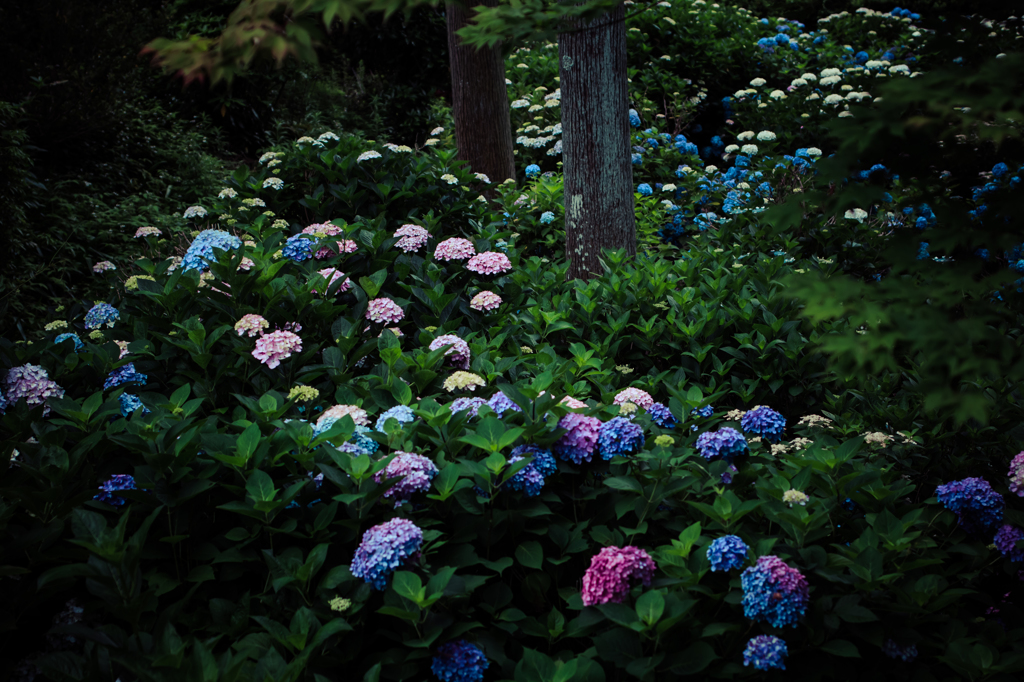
894	651
459	661
727	552
611	570
101	314
619	436
402	413
725	443
501	403
765	422
1006	541
978	507
125	374
202	248
471	404
113	484
765	652
384	548
662	416
577	445
416	471
1016	475
530	479
774	592
32	383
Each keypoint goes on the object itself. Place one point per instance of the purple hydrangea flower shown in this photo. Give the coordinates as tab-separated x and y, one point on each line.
978	507
101	314
471	404
459	661
416	471
500	402
1006	541
113	484
125	374
662	416
619	436
765	422
530	479
725	443
765	652
905	653
611	569
577	445
1016	475
384	548
774	592
32	383
727	552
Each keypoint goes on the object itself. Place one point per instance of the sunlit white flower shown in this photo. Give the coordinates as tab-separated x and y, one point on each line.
758	82
765	136
273	183
749	149
371	154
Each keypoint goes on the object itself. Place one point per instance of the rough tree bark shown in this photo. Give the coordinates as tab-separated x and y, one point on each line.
599	202
483	130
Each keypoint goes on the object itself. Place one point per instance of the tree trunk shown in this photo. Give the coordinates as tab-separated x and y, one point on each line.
483	130
599	202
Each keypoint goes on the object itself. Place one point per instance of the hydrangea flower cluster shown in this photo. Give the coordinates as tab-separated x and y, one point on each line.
194	212
416	472
61	338
619	437
129	403
459	661
792	497
725	443
501	403
1006	541
101	314
485	301
774	592
894	651
765	422
103	266
298	247
455	248
765	652
32	383
321	230
458	354
662	416
634	395
147	232
727	552
530	479
383	310
411	237
333	414
276	346
332	275
123	375
384	548
705	411
359	444
611	570
112	485
572	403
577	445
251	325
1016	475
202	248
401	413
489	263
466	380
979	508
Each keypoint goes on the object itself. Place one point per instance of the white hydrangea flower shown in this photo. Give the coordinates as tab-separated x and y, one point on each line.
436	131
273	183
749	149
809	77
758	82
813	96
305	139
765	136
482	178
798	82
830	80
711	169
450	179
552	103
668	188
195	212
520	104
830	72
845	114
227	193
777	94
328	136
368	155
858	214
833	99
732	148
431	142
902	69
813	151
746	135
534	107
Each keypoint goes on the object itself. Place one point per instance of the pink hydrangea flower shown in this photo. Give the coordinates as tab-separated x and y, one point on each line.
274	347
123	345
485	300
332	275
458	353
611	570
455	248
251	324
636	396
416	472
32	383
357	414
577	444
572	403
246	264
413	237
1016	475
381	310
344	246
103	266
489	263
147	232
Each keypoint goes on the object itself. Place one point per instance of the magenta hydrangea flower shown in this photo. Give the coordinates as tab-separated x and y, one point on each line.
577	445
251	325
383	310
634	395
332	275
1016	475
274	347
412	238
611	570
485	300
455	248
458	354
416	471
32	383
489	263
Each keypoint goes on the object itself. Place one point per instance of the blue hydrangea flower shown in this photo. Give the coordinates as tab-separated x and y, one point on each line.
101	314
644	189
662	416
765	422
129	403
547	217
634	118
619	436
69	335
528	479
298	247
385	548
459	661
861	57
765	652
360	443
113	484
532	171
636	159
999	170
500	403
3	402
725	443
705	411
402	413
727	552
471	404
895	651
978	507
774	592
202	248
125	374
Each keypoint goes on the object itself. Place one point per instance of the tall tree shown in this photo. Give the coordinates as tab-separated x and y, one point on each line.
598	184
483	130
